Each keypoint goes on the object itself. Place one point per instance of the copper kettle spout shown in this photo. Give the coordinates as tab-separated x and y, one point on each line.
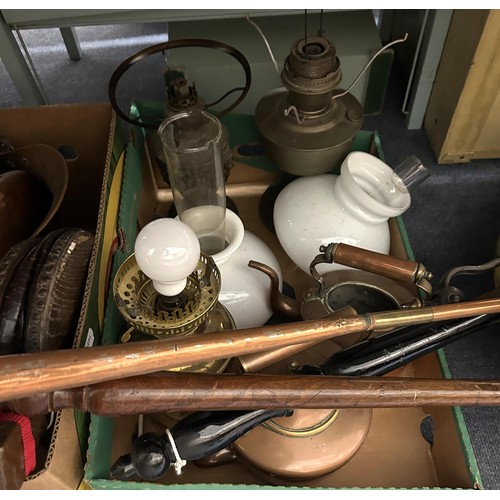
285	307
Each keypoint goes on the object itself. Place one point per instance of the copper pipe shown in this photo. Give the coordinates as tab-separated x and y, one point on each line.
398	319
203	392
254	362
28	374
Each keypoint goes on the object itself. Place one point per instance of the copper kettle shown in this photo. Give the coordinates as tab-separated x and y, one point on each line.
372	282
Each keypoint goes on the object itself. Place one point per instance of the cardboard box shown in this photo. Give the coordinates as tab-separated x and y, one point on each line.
89	130
395	453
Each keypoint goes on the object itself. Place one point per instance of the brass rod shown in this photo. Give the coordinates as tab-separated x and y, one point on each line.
28	374
391	319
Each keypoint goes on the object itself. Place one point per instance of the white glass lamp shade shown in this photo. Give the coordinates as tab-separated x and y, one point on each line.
167	251
245	291
317	210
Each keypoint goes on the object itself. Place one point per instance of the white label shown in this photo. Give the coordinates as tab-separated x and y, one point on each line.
89	341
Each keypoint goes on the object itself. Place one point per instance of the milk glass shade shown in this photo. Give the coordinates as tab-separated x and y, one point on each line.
192	146
317	210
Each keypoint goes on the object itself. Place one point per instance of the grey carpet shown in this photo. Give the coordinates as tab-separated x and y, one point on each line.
86	80
454	218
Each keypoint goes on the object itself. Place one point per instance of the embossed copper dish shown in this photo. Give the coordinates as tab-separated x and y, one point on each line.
12	311
11	260
41	284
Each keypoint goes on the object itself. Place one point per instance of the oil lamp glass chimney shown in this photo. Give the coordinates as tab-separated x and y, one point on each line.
393	187
192	147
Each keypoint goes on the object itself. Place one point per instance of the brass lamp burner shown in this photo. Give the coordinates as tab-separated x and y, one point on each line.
151	313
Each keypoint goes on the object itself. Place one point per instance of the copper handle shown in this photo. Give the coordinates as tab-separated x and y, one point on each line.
386	265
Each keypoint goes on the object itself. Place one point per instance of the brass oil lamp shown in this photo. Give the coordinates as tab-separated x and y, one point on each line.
169	287
309	125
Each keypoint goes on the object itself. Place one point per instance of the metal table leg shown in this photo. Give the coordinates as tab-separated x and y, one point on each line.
18	69
72	44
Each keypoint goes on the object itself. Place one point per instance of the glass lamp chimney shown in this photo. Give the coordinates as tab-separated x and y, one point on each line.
192	147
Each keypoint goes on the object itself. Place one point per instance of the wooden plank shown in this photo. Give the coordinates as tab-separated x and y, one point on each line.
463	36
480	92
489	139
461	121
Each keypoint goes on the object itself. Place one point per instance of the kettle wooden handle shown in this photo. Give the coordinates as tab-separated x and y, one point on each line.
386	265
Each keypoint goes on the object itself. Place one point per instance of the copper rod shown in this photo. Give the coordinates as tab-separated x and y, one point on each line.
252	363
203	392
28	374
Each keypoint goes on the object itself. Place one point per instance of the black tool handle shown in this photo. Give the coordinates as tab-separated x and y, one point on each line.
384	353
196	436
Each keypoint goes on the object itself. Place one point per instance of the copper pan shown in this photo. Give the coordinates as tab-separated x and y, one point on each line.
22	204
48	166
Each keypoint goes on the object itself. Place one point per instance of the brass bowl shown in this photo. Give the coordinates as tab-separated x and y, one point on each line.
135	297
